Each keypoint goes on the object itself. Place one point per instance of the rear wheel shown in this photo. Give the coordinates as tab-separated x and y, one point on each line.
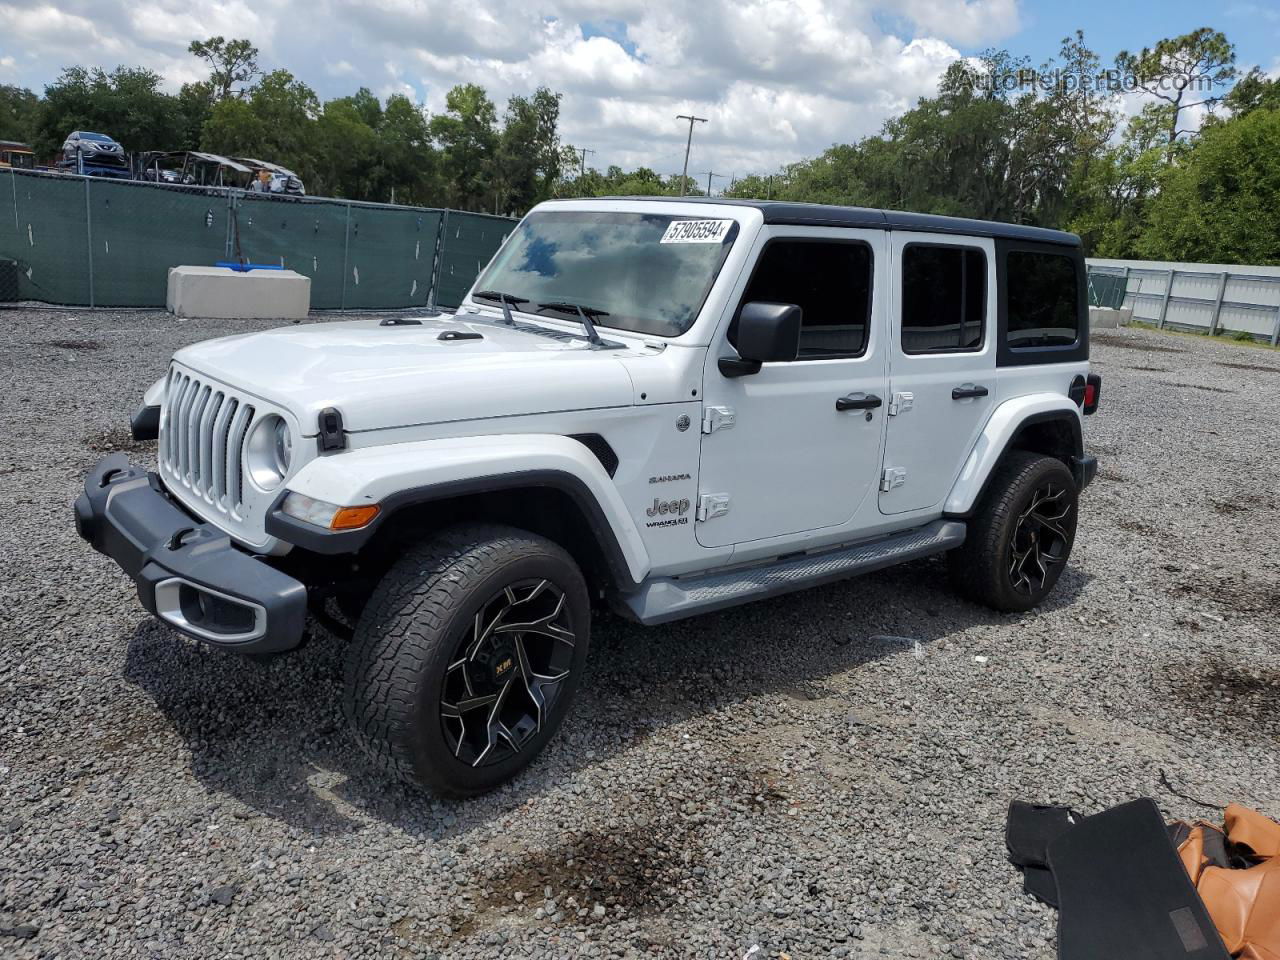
1021	535
467	656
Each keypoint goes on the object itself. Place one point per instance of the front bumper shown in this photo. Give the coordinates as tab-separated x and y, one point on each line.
188	573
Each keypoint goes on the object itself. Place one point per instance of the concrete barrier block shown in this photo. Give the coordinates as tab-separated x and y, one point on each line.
222	293
1108	318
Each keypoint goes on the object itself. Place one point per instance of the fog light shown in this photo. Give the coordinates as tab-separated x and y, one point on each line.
209	614
214	613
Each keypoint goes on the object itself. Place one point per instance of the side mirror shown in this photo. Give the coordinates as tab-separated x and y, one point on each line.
767	332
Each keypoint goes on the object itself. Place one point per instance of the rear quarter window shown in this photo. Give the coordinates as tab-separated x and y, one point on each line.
1043	309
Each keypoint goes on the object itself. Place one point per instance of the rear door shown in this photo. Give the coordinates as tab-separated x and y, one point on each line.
942	364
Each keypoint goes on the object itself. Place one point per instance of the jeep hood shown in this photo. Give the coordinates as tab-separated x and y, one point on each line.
404	375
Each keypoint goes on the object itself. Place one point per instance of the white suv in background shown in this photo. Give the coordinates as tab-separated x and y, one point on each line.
666	406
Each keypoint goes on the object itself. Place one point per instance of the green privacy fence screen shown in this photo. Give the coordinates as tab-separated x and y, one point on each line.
93	242
468	243
1105	290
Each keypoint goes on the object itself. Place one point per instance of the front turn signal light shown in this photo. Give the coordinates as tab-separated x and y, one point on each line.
353	518
330	516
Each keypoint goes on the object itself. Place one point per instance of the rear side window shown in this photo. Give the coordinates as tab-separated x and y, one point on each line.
944	298
1042	290
830	281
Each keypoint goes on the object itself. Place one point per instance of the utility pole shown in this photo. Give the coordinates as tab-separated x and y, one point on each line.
582	172
684	177
710	174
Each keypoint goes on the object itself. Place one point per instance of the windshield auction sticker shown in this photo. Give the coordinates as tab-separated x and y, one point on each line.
696	231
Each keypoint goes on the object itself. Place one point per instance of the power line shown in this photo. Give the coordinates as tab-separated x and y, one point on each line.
710	174
684	176
582	172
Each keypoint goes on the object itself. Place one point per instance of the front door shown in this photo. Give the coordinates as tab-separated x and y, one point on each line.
793	461
941	364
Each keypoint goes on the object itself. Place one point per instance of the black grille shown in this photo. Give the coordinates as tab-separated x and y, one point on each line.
600	447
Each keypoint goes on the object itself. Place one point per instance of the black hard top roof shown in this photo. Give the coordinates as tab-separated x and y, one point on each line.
822	215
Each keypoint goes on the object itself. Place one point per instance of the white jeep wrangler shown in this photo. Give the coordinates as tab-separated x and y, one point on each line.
673	406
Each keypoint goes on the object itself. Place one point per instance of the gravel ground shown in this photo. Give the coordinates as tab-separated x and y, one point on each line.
791	775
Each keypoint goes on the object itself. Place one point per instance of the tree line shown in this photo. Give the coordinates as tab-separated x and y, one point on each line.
1193	175
1059	152
356	147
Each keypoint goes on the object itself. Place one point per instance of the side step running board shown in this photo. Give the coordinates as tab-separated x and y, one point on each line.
671	598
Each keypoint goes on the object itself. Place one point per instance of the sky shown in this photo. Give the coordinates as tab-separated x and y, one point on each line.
777	80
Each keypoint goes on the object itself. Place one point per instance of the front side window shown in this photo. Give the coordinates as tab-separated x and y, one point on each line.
831	283
944	298
1043	300
646	273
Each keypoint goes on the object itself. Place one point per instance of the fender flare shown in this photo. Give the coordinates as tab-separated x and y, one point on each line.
154	395
400	475
1001	431
145	422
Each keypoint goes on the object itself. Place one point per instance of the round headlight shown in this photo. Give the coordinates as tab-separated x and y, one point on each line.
282	445
269	452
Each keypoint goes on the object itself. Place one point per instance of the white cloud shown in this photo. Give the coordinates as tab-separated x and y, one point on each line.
778	79
968	22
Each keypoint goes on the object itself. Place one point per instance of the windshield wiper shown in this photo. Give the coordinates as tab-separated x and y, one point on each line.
506	299
584	314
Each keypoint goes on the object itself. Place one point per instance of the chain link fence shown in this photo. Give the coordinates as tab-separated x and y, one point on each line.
109	243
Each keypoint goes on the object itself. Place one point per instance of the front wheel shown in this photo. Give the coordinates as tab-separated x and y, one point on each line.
467	656
1020	536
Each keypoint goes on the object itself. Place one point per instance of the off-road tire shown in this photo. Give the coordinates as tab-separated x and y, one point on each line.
410	631
981	568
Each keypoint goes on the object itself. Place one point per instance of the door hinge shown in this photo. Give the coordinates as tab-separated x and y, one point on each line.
712	505
892	477
901	403
716	418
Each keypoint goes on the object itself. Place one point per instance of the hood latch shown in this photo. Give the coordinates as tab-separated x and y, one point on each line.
331	435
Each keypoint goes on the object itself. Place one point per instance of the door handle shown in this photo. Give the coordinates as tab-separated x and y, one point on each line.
858	401
968	391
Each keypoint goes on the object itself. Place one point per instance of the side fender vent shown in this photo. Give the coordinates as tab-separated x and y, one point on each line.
600	447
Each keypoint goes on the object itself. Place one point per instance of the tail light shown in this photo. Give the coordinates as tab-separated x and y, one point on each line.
1092	393
1085	393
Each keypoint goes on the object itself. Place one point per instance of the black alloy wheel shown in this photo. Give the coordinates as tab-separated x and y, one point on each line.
1040	539
466	657
1020	534
508	672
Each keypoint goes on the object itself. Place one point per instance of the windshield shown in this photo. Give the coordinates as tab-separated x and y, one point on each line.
647	273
